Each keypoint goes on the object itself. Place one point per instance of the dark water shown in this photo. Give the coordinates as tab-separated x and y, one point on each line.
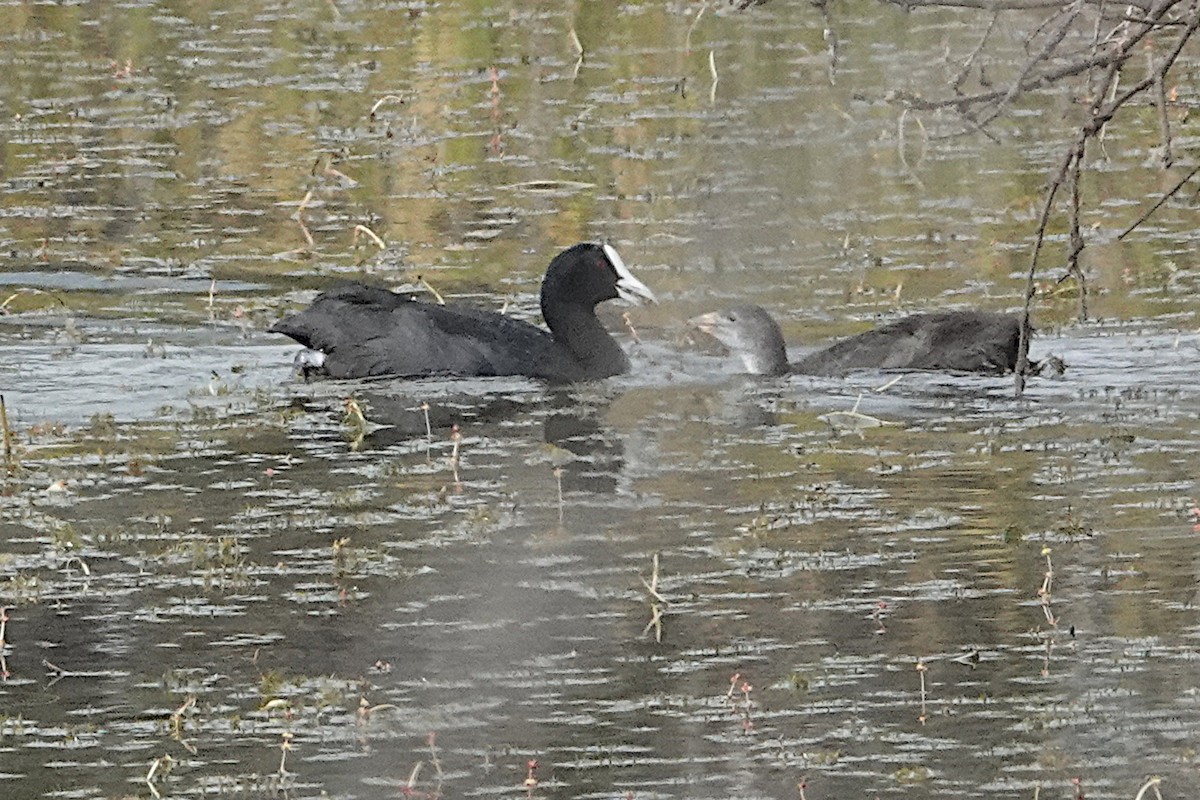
216	585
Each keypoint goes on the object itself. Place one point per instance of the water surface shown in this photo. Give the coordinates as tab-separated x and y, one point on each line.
219	584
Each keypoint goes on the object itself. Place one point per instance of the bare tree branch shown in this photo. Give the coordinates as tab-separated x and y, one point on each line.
1101	111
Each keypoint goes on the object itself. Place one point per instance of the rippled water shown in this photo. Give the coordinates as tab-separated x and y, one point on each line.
217	583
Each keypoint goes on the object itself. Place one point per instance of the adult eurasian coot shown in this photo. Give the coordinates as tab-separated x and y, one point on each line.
954	341
358	331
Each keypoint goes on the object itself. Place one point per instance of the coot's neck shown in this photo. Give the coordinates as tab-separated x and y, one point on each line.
771	360
575	326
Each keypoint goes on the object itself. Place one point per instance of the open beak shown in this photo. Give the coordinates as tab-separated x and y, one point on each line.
708	323
628	287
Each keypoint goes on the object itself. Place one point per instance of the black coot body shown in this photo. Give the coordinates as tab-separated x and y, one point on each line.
952	341
358	331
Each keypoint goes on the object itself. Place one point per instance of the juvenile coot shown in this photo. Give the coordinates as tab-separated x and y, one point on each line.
358	331
955	341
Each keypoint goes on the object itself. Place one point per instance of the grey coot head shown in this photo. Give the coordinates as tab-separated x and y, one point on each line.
749	333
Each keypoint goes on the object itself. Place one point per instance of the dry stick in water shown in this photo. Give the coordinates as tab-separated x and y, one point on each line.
433	755
387	98
9	465
429	288
299	217
20	292
4	674
1153	783
921	670
531	780
1044	591
411	783
578	45
656	613
900	146
629	326
712	67
428	430
285	745
456	437
177	723
558	477
363	229
162	765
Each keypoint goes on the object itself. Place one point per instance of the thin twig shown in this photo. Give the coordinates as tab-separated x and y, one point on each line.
1164	123
1042	57
1076	233
1160	203
1116	55
1030	284
970	59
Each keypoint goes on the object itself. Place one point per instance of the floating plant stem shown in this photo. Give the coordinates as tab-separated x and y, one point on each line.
558	478
429	288
9	464
629	327
531	780
712	67
411	783
922	668
370	234
161	765
1044	592
177	716
428	429
433	755
4	674
1152	783
387	98
578	45
284	746
456	438
657	601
